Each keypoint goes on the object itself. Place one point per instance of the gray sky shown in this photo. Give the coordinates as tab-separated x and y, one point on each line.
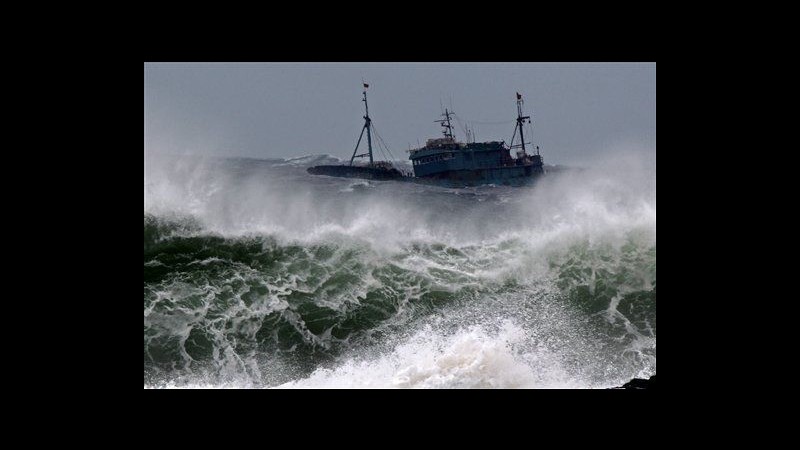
281	110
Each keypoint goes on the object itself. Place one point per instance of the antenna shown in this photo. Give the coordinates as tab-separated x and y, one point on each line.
469	132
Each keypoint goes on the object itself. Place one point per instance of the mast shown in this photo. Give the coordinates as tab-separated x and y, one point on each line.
448	128
520	121
368	123
367	126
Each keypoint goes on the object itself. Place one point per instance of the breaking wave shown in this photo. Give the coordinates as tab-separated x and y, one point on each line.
257	274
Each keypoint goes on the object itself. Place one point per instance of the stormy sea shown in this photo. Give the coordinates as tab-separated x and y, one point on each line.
260	275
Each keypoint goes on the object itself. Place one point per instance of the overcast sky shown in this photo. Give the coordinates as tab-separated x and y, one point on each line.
281	110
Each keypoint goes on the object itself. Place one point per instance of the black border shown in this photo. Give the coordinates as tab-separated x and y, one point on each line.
352	48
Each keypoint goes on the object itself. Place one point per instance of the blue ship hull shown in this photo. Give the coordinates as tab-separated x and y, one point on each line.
366	173
509	176
450	163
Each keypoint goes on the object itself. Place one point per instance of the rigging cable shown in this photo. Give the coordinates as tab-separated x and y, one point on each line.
530	128
505	122
511	142
458	119
380	140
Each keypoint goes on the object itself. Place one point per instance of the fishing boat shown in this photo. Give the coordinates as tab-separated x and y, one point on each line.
446	161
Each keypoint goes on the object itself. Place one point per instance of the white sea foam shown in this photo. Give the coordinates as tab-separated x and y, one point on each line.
470	358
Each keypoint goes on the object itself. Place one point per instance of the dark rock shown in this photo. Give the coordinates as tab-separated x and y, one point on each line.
639	383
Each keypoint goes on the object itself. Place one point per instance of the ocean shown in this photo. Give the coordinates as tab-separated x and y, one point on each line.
260	275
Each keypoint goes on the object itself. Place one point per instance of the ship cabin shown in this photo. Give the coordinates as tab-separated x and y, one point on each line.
445	155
